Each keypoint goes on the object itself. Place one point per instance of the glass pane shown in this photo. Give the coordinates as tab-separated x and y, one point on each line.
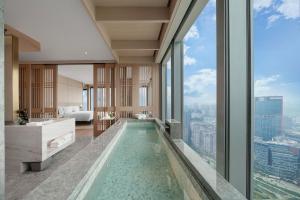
143	96
101	97
169	95
145	82
200	84
276	50
92	99
84	100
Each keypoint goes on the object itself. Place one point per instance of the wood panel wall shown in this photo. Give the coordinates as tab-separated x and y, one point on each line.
125	90
38	90
69	91
24	87
11	71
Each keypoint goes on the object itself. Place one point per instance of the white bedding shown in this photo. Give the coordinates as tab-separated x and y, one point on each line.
81	116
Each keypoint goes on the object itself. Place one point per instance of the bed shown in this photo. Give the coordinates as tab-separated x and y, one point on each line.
76	113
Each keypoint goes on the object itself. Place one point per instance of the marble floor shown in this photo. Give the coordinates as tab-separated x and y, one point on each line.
18	185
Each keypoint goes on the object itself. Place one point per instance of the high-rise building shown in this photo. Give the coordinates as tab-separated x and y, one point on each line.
186	126
200	132
268	116
278	159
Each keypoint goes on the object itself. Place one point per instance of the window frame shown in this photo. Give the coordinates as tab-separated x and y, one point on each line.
164	93
234	101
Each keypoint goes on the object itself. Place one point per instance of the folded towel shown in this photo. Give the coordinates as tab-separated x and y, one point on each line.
57	142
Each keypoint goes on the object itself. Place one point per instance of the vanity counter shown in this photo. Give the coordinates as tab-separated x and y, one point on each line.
37	142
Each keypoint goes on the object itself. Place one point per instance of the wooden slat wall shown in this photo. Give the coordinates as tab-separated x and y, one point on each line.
124	91
104	96
117	89
38	90
50	91
128	90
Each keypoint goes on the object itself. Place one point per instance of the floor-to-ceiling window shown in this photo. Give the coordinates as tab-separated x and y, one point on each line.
199	84
276	47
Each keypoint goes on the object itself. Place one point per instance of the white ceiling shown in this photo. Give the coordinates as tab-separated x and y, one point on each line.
82	73
63	28
125	3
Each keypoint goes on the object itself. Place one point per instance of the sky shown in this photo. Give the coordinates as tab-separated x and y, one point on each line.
276	54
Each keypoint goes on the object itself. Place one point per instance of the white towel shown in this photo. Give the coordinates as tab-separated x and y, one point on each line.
57	142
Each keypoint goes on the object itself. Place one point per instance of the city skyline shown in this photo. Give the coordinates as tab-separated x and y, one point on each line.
276	69
276	31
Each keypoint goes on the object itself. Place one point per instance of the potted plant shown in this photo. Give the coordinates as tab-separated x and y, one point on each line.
22	117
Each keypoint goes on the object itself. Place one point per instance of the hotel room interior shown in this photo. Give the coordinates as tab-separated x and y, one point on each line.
149	99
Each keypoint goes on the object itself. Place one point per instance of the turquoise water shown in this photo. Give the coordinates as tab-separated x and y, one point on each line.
137	169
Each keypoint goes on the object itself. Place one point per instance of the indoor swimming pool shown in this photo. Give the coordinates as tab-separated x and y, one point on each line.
137	168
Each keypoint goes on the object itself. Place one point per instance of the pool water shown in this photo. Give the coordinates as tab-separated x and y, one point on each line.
137	169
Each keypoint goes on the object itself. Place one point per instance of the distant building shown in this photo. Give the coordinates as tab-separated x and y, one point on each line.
200	132
293	135
187	127
268	116
279	159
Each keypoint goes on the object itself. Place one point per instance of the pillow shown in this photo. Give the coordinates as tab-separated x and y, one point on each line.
68	109
75	108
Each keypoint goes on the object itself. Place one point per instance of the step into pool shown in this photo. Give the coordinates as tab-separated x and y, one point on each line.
137	168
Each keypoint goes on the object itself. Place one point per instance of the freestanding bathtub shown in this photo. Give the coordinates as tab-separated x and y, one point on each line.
137	165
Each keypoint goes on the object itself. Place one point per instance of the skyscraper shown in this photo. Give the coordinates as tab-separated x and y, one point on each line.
268	116
279	159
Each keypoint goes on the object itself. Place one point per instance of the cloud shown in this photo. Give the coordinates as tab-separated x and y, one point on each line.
200	80
193	33
290	9
272	19
200	88
188	60
264	84
272	86
259	5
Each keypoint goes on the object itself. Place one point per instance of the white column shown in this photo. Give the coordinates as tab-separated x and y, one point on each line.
2	152
178	84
